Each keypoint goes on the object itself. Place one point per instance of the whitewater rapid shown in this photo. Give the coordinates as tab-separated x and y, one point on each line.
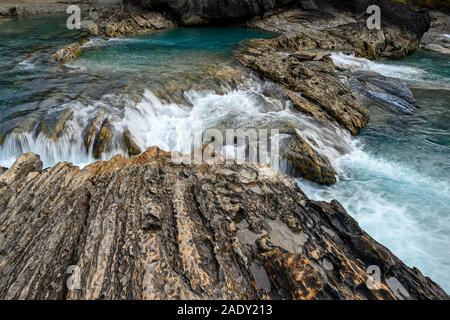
172	126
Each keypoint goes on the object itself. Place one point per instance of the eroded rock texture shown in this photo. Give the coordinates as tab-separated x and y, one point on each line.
311	83
144	228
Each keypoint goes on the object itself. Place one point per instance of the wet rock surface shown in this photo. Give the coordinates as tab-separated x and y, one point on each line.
314	87
305	161
437	39
371	87
144	228
102	139
67	53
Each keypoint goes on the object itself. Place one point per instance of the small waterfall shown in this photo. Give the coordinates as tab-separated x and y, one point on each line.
172	126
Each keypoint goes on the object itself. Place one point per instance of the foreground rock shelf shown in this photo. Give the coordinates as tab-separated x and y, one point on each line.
144	228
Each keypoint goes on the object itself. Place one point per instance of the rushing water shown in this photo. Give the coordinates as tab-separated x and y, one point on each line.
394	178
396	182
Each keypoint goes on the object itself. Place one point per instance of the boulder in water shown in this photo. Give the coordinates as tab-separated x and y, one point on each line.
306	161
67	53
102	139
132	148
53	125
91	130
392	93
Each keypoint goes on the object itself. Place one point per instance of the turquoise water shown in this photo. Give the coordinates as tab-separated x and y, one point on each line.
109	78
396	182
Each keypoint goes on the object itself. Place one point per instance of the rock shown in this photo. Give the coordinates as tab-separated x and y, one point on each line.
306	161
102	139
53	125
2	169
91	27
437	48
132	148
390	92
413	21
437	39
67	53
346	29
304	55
314	85
91	130
144	228
25	164
309	5
117	22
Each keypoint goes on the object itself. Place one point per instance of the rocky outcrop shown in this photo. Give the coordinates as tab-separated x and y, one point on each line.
312	83
144	228
22	8
117	22
394	13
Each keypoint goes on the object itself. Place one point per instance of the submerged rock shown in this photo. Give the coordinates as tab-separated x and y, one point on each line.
117	22
390	92
53	125
144	228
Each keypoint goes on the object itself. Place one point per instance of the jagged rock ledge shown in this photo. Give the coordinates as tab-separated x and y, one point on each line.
145	228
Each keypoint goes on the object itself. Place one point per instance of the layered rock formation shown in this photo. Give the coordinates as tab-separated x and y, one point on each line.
144	228
311	83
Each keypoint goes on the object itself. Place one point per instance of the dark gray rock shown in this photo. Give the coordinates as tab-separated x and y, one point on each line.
384	91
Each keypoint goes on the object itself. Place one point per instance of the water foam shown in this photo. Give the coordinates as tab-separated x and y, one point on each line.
395	204
350	62
172	126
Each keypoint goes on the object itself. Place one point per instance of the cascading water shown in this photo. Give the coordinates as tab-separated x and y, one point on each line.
393	178
396	180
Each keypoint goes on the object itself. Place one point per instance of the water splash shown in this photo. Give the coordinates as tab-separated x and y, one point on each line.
350	62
